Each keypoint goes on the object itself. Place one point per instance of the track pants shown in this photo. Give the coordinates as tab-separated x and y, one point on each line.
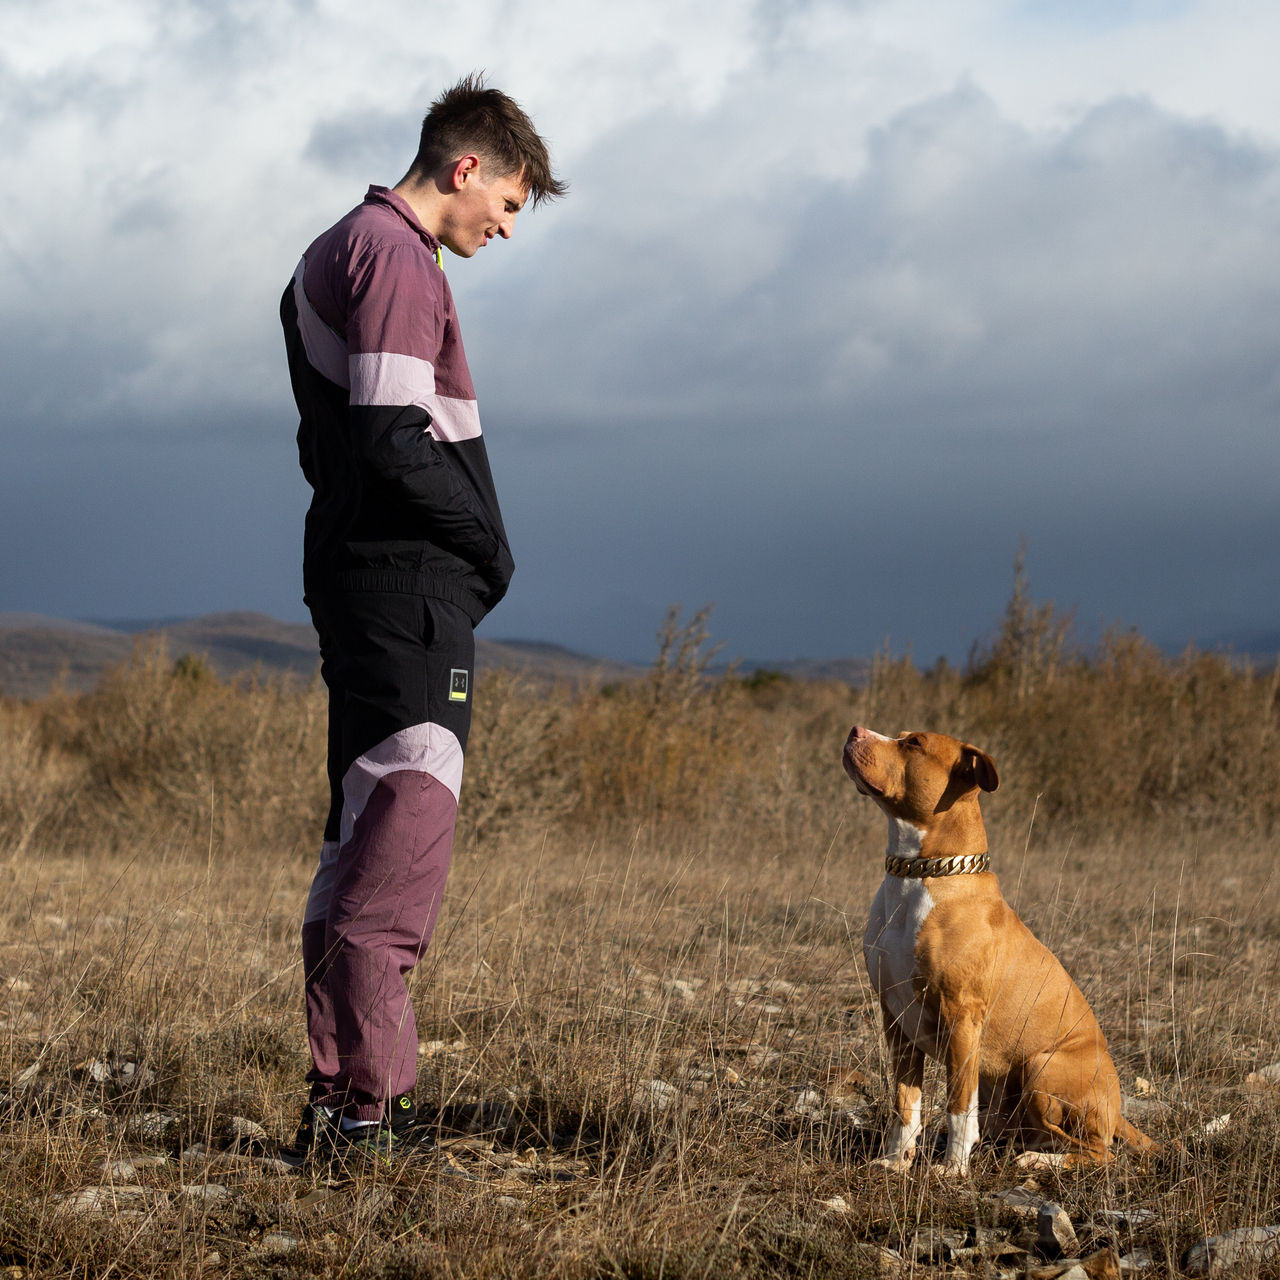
399	670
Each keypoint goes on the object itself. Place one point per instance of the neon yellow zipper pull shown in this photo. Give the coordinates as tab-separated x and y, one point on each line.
439	256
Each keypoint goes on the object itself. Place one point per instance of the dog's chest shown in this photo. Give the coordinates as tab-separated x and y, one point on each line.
900	909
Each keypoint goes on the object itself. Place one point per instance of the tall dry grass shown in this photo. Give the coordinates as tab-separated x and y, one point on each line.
650	1047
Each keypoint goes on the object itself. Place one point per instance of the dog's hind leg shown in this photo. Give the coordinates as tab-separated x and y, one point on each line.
1069	1115
908	1083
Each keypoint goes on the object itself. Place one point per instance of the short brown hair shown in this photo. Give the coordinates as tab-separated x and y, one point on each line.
468	117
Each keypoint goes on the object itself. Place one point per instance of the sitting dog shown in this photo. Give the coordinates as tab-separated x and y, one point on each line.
962	979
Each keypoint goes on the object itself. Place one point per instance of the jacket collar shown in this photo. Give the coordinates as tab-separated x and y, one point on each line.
385	195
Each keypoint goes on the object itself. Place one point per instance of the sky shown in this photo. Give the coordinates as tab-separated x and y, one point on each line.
845	299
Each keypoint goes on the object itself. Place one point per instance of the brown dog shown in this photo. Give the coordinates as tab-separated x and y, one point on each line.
962	979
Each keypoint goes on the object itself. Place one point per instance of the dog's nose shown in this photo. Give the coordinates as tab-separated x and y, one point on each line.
860	731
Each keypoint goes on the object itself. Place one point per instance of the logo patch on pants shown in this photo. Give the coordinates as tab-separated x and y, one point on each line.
457	685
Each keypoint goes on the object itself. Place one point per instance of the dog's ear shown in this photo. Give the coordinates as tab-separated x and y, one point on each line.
980	765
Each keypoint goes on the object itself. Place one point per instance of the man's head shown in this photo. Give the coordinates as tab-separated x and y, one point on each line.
479	160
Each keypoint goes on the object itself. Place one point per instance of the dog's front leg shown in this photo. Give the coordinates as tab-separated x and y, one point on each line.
908	1082
964	1032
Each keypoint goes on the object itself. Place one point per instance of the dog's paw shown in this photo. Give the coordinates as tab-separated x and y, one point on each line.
1040	1160
945	1172
893	1164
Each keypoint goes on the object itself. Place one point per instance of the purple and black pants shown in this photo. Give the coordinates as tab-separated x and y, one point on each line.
399	669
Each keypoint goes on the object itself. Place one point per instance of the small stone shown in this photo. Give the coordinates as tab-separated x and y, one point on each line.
1024	1200
196	1154
1134	1108
1220	1253
278	1242
1217	1125
658	1095
806	1100
680	987
152	1126
246	1130
837	1204
119	1171
507	1202
693	1073
1054	1232
18	985
731	1077
1133	1219
149	1162
313	1198
27	1076
1143	1088
102	1199
1271	1074
206	1192
132	1076
877	1256
269	1164
212	1259
935	1243
1137	1260
771	1008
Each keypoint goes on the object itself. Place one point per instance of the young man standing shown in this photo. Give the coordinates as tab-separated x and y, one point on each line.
404	553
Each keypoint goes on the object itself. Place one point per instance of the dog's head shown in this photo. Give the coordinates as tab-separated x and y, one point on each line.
917	777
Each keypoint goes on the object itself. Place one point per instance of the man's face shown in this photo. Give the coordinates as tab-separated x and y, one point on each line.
480	208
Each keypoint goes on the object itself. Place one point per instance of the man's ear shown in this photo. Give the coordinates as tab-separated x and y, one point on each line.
981	765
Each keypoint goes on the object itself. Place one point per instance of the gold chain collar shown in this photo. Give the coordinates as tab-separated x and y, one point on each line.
960	864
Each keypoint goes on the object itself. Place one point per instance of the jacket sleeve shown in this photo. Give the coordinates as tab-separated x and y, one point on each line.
396	320
392	445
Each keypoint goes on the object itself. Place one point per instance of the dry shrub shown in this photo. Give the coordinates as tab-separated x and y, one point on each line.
1104	745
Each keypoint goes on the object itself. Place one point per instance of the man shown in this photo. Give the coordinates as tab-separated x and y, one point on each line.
404	553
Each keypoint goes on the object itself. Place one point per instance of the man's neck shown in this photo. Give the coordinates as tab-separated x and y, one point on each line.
424	199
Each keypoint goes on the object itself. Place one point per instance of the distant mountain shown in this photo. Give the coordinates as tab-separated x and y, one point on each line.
36	650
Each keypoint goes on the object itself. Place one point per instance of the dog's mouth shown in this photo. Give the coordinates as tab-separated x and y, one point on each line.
867	787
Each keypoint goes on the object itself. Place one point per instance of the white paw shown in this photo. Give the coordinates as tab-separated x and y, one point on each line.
1039	1160
894	1164
949	1171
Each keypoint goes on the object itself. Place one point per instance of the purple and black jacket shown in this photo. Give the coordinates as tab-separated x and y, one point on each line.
389	437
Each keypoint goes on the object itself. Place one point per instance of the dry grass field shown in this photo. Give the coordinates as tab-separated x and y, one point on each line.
648	1043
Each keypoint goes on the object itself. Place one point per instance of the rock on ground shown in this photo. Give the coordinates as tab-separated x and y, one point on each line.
1219	1253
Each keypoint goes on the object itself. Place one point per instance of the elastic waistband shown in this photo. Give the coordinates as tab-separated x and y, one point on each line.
400	582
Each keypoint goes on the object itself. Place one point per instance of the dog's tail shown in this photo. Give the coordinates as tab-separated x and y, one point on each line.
1136	1140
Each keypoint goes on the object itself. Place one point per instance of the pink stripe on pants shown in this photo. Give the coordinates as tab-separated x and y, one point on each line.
386	895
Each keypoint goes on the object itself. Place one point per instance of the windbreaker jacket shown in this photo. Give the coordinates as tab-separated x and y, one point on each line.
389	438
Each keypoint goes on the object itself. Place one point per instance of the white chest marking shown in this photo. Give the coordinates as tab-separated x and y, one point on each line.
900	908
905	838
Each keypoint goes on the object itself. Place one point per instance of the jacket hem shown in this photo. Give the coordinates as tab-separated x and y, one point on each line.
399	582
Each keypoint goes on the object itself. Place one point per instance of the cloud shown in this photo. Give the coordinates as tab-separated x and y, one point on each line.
815	256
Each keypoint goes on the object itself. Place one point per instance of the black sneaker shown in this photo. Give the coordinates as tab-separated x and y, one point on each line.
402	1116
315	1137
373	1143
398	1134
